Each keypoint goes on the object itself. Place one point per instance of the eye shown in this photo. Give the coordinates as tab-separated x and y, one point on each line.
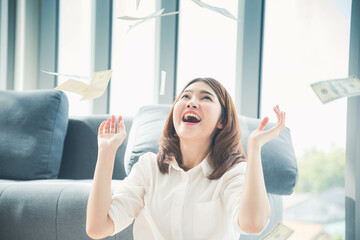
207	97
185	96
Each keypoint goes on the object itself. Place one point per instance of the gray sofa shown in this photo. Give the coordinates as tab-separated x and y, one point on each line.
47	161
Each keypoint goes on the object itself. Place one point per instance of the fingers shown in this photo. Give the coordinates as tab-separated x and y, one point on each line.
281	117
277	111
121	125
263	123
112	124
101	128
107	124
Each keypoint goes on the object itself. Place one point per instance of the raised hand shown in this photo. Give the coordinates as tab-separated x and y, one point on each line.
259	137
108	138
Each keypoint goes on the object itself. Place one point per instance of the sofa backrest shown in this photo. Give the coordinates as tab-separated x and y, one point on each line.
143	131
80	148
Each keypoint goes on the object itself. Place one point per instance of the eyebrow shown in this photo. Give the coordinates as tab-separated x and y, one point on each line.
202	92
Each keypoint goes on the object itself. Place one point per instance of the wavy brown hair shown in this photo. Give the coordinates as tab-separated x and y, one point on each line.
226	149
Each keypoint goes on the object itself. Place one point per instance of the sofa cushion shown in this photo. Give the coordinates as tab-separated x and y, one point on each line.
81	149
278	157
33	126
145	132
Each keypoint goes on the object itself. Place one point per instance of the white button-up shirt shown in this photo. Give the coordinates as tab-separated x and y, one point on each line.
178	205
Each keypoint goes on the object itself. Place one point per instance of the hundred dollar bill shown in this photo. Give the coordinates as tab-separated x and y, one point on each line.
330	90
222	11
279	232
96	88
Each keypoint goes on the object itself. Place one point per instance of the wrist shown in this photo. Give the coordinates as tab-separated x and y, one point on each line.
107	150
253	147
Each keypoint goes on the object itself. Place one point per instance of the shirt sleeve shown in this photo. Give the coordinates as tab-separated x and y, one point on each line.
234	183
128	199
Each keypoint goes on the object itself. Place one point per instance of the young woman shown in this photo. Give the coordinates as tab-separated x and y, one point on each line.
200	185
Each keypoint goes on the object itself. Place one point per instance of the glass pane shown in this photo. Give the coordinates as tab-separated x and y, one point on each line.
305	42
207	44
133	54
75	48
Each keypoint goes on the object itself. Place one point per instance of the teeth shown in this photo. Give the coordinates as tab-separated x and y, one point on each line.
192	115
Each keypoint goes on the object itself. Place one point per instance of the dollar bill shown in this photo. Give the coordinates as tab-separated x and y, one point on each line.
98	84
222	11
279	232
66	75
74	86
95	89
330	90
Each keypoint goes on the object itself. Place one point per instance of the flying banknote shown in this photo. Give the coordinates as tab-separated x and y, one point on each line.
330	90
94	89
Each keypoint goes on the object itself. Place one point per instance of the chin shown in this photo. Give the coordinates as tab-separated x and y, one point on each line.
193	135
187	135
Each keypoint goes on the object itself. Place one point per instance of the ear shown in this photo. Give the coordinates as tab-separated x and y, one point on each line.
220	125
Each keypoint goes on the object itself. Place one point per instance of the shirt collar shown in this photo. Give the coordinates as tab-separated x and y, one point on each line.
206	167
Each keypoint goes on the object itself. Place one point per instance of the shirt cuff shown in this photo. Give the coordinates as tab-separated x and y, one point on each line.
236	224
114	219
119	217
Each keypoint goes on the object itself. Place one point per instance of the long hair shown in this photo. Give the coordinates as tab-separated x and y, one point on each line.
225	150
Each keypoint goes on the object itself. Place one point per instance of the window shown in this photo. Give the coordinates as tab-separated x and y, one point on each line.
75	53
207	44
133	54
306	42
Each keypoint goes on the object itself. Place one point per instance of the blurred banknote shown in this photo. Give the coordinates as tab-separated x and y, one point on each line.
330	90
279	232
66	75
146	18
222	11
98	84
96	88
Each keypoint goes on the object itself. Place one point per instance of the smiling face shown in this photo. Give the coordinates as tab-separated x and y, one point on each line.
197	113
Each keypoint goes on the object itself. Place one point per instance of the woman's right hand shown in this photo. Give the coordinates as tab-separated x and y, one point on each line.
109	138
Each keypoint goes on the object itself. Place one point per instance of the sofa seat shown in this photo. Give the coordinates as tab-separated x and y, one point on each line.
47	209
56	209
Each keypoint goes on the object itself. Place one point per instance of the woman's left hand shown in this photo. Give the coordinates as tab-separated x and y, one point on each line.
259	137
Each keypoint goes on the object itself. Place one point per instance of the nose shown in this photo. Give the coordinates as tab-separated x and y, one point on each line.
192	103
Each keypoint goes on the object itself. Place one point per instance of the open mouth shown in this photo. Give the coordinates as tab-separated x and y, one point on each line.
191	118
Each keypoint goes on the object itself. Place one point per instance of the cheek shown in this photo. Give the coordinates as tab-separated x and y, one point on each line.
176	113
215	113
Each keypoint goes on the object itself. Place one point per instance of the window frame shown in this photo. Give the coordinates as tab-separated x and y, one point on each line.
352	180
